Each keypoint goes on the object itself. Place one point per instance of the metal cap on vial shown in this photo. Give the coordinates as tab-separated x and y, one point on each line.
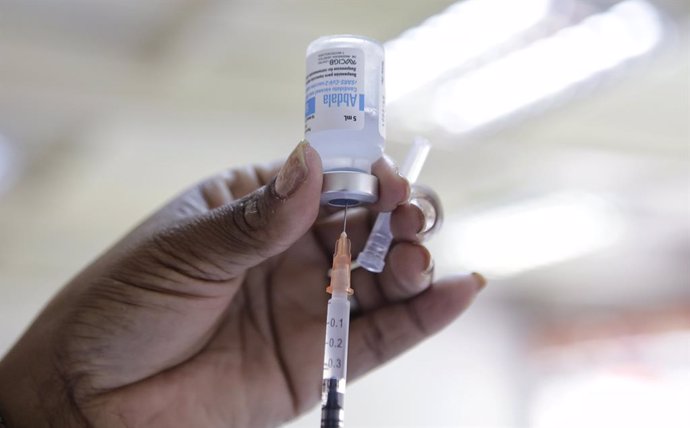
349	188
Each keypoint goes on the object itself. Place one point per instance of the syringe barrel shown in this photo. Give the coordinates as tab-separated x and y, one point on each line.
337	326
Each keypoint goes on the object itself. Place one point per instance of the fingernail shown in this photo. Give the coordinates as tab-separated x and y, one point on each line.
421	217
294	171
430	268
408	190
481	281
429	262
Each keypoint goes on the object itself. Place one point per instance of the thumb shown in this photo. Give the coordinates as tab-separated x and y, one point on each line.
222	243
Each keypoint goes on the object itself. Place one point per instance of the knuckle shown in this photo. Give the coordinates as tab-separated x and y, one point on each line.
417	320
250	218
171	259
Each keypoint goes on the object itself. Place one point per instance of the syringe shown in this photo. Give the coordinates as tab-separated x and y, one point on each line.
372	257
337	328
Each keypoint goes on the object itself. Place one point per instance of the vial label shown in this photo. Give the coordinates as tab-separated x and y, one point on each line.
335	90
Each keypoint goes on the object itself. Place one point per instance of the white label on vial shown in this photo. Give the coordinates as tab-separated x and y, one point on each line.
335	90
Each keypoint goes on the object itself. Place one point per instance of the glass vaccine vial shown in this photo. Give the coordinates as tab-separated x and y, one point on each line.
344	115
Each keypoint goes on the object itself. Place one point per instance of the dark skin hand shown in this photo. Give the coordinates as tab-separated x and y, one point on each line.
212	312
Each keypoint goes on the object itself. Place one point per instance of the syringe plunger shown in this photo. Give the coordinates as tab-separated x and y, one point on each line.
332	413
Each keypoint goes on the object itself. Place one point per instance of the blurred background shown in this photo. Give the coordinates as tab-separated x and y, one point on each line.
560	135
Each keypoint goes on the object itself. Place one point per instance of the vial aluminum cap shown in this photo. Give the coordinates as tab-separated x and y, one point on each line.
349	188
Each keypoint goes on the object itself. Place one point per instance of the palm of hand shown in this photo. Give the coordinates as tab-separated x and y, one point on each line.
261	364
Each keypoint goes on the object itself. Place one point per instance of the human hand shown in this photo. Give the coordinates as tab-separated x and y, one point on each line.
212	312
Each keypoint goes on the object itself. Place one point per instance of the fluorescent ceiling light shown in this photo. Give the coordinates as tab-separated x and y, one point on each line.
463	32
547	67
531	234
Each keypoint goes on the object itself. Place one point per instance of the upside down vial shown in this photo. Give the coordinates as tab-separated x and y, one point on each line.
345	115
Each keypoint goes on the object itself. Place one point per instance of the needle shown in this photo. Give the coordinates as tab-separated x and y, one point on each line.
345	219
